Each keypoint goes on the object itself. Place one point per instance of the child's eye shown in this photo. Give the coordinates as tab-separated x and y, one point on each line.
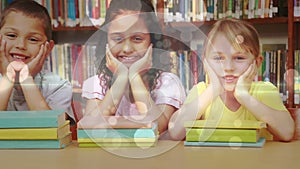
11	35
33	39
240	58
218	58
137	39
117	39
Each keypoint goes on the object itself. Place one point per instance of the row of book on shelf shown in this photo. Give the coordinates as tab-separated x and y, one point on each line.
78	62
73	62
49	129
72	13
206	10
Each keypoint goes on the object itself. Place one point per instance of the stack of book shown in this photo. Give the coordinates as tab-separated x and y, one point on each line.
116	131
212	133
34	129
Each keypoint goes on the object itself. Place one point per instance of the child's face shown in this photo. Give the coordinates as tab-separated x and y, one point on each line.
227	62
24	36
128	38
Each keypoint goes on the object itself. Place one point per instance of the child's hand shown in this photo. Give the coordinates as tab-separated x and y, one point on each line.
113	64
214	81
145	63
3	58
12	70
244	82
36	64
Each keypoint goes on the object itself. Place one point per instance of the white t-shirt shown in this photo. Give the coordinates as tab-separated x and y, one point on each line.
56	91
168	90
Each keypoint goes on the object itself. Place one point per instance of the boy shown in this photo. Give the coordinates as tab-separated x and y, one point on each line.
25	43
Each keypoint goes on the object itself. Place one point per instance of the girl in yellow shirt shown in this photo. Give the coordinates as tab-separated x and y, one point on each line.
231	58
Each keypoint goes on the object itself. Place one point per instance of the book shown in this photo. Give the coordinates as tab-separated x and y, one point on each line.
118	133
245	124
37	144
90	122
32	119
35	133
114	145
222	135
258	144
116	140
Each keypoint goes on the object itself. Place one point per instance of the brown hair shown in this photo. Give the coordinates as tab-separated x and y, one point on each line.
241	34
32	9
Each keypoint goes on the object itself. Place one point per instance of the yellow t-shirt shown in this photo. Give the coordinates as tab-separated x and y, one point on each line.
265	92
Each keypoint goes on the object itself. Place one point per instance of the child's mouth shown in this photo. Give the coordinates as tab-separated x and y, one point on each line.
19	58
229	79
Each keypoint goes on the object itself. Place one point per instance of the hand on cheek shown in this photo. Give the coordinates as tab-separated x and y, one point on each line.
244	82
113	64
145	63
13	68
214	81
3	58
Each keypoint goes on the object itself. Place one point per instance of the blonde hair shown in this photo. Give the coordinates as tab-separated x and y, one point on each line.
241	34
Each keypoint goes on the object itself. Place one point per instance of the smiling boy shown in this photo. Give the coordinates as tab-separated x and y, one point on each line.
25	43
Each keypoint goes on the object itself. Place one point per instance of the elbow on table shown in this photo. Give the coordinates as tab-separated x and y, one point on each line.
288	135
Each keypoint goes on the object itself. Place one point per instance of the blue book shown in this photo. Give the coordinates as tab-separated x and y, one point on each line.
118	132
182	68
32	119
36	144
258	144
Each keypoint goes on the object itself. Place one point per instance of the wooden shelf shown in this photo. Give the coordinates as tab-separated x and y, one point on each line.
77	28
296	19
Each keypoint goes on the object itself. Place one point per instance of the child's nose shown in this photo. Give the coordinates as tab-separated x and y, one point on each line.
127	46
20	44
228	65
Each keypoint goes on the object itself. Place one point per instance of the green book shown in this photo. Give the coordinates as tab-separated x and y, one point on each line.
32	119
118	132
222	135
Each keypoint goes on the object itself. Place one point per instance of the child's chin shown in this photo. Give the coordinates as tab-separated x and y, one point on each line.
229	88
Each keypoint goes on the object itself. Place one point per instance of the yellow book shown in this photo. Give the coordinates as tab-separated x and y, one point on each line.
222	135
35	133
245	124
114	145
117	140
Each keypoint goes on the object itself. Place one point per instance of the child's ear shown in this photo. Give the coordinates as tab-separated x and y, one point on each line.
51	45
259	60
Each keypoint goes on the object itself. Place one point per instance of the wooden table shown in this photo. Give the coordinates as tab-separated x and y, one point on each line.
167	154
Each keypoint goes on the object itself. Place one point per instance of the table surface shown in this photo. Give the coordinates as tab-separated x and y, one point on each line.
167	154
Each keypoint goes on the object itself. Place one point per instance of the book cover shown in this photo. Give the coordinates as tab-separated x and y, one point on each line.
90	122
258	144
32	119
222	135
36	144
35	133
117	140
245	124
118	132
129	144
